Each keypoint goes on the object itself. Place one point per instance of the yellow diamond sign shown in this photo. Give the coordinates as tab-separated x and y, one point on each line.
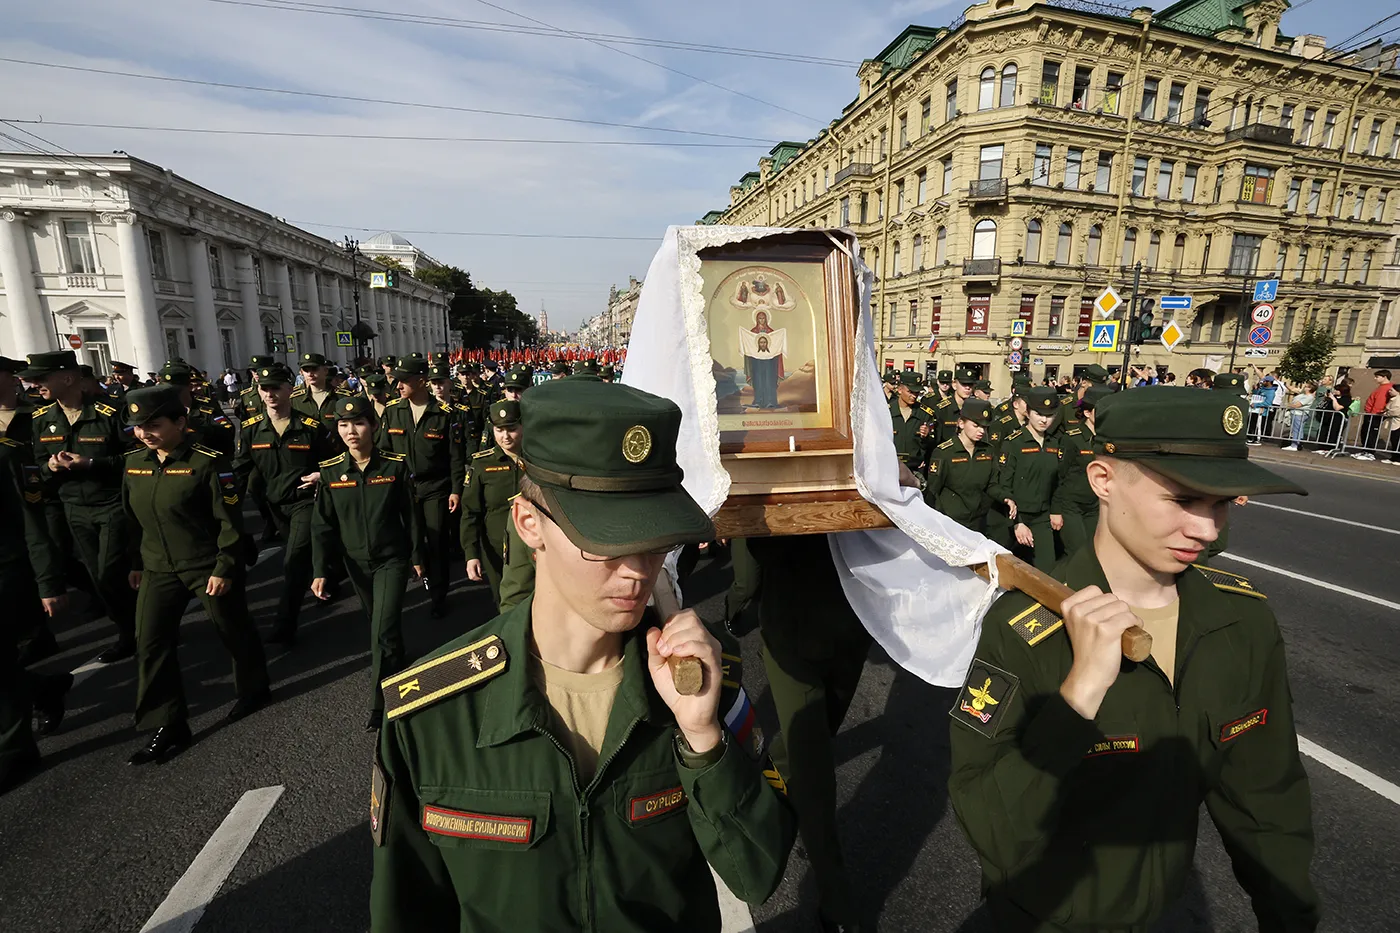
1171	335
1107	303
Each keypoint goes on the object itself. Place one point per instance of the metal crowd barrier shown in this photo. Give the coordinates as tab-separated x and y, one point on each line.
1324	431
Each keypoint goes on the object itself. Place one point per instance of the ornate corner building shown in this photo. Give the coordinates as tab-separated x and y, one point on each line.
1014	164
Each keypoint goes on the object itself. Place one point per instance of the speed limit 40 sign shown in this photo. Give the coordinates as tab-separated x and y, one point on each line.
1263	313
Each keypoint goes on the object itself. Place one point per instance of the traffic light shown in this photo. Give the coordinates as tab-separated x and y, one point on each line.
1143	331
391	279
274	343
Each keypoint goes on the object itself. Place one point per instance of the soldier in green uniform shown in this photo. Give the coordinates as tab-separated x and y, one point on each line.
315	397
960	470
248	403
31	628
416	425
376	389
1019	383
518	378
982	389
1078	775
123	379
205	424
366	513
607	373
913	422
181	501
1074	501
1028	471
79	443
598	793
559	370
279	450
1232	383
493	479
945	383
518	572
946	411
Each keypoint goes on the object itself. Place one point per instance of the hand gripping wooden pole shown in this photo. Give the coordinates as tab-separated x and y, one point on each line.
688	674
1015	574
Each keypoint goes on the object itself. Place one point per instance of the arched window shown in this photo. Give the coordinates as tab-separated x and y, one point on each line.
1094	246
1154	247
987	89
1179	253
940	249
984	240
894	269
1129	245
1008	85
1062	245
1033	230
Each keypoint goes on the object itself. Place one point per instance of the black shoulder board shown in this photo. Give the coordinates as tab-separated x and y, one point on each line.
946	445
40	411
102	408
249	422
332	461
442	677
311	422
137	450
483	453
1035	624
1229	582
393	402
10	442
207	451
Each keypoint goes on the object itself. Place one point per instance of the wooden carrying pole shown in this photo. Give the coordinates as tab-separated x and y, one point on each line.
688	674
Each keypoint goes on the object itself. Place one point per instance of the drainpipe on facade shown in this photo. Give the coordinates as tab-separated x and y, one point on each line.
1127	155
1346	131
879	315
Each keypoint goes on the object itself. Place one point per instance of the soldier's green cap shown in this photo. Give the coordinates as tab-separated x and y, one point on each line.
176	373
439	357
945	375
259	360
119	367
1042	399
1231	381
1020	381
86	372
891	377
604	457
982	385
966	375
560	368
1095	394
910	379
608	372
158	401
520	376
274	376
976	410
415	355
504	413
377	381
46	364
309	360
409	366
586	366
1094	373
1196	439
439	371
8	365
390	361
355	406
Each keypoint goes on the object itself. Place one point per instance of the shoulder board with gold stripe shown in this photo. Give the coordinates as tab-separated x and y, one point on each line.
464	408
207	451
299	392
390	455
1229	582
102	408
946	445
137	450
393	402
10	442
1035	624
311	422
40	411
1014	434
442	677
249	422
333	461
483	453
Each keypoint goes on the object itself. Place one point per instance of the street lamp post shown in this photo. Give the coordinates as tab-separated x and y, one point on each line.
352	248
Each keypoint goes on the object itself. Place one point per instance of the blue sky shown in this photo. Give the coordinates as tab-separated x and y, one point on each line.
621	191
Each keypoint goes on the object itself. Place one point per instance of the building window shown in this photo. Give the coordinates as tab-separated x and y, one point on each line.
1164	179
1295	187
1373	144
884	145
1063	243
864	207
1217	325
922	185
984	240
1040	170
1219	182
1074	163
1129	245
1305	132
1103	176
989	162
155	240
1353	324
879	205
1287	333
1395	141
1139	183
1055	325
1382	316
1083	80
1049	83
894	319
77	240
940	247
1028	312
951	101
1148	110
1175	97
1244	254
258	274
913	316
1366	261
1326	262
294	281
918	253
904	131
1008	85
1205	252
98	349
1179	253
226	346
935	314
947	176
216	266
1154	249
987	89
1345	269
1337	203
189	339
1092	249
1301	269
925	115
1285	117
899	197
1378	212
1256	184
1033	231
1315	196
1329	129
172	344
1202	115
1358	207
1113	93
1188	183
1355	136
846	211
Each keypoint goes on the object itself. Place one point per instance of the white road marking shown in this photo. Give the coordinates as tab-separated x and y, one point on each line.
84	671
1330	518
185	903
734	913
1324	584
1345	768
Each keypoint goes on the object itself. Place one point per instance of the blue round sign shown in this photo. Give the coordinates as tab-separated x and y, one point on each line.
1260	335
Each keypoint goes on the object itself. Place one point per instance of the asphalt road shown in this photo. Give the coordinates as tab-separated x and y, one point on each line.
92	844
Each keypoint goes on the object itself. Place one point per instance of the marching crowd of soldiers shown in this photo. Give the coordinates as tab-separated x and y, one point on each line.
542	771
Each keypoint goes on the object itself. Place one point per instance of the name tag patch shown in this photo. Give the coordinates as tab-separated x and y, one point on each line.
134	471
653	805
496	469
464	825
1114	745
182	471
347	484
431	437
50	438
298	446
262	446
1233	730
92	440
396	430
381	480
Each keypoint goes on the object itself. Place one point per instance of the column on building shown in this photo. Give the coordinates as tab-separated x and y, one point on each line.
254	341
282	287
313	310
206	328
142	315
28	334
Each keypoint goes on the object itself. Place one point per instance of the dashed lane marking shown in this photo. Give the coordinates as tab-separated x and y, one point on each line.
1330	518
734	913
1324	584
1345	768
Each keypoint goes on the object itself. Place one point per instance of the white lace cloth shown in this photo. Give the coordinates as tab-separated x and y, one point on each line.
909	585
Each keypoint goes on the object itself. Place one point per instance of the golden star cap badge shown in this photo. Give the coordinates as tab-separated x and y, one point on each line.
349	406
134	408
1232	420
636	444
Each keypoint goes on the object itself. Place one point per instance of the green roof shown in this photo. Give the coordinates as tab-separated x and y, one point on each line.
711	217
909	45
748	180
783	153
1205	16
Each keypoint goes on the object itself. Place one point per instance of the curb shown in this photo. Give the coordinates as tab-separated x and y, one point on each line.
1341	466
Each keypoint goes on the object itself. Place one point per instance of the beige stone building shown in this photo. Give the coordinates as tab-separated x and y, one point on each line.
1014	164
613	327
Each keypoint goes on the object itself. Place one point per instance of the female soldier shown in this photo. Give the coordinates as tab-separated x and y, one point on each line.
961	469
364	511
186	530
492	481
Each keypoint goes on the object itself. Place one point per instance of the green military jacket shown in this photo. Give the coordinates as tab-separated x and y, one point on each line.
206	425
183	513
912	447
277	464
1027	473
493	479
1001	428
432	446
368	517
98	434
480	822
1072	493
946	417
1092	824
303	402
248	403
958	481
468	428
22	509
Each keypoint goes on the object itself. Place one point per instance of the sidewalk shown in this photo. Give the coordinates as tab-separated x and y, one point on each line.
1307	459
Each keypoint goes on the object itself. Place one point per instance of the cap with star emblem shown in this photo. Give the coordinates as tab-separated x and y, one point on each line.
976	410
1094	373
1095	394
159	401
589	367
520	376
377	382
607	373
911	379
504	413
1194	438
945	375
309	360
604	457
353	407
274	376
39	365
891	377
1232	382
259	360
439	371
560	368
408	366
966	375
982	385
176	373
1042	399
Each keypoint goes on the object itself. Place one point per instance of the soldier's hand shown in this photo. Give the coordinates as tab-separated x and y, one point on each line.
685	636
1010	509
453	501
309	480
133	579
53	605
1241	500
474	570
218	586
1024	535
419	571
72	461
318	588
1095	622
56	464
1057	522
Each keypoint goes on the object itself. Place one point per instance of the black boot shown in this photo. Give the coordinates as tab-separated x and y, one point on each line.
118	652
284	634
49	707
166	742
376	718
247	706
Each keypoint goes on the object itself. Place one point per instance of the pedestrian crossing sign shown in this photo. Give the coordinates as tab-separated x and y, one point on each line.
1018	328
1103	337
344	339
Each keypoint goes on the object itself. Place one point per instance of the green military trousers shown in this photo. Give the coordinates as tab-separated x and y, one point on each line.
293	523
814	652
380	587
437	554
1079	529
17	746
741	601
160	604
100	540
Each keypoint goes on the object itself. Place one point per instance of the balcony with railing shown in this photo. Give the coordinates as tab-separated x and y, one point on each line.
267	301
855	170
174	288
986	190
1261	133
78	281
226	295
301	304
981	270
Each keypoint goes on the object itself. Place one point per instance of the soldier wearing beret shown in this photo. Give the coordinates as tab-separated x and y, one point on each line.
316	397
960	470
610	795
181	500
205	423
492	480
366	514
1028	471
79	443
1078	775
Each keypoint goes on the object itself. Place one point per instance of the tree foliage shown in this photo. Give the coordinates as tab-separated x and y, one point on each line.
482	316
1309	355
391	263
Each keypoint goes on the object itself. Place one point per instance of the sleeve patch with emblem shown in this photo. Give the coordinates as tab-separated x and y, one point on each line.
378	802
983	700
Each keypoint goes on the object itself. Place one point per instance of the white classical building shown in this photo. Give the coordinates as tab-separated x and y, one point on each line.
393	246
141	265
